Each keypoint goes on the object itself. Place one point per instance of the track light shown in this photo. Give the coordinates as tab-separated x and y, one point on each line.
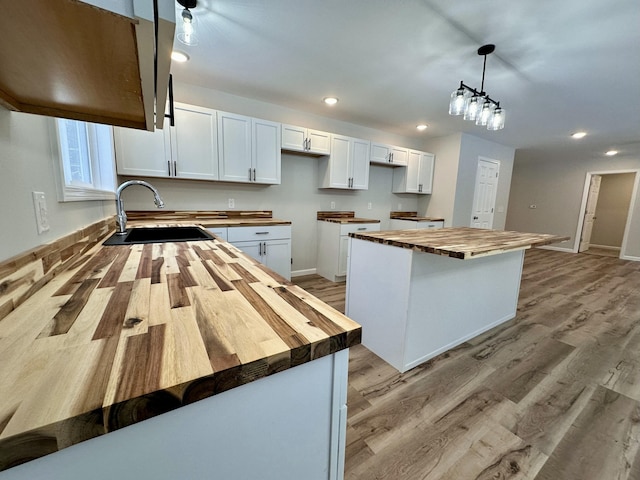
477	106
187	33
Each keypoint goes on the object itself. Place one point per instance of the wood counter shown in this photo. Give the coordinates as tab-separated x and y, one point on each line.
462	242
126	333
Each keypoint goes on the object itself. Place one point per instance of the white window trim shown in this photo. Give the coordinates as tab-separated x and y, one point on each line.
79	192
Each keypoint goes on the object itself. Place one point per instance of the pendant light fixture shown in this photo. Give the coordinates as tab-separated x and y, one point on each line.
187	34
477	106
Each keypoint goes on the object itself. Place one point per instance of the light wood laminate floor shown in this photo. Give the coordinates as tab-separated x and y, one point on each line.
552	395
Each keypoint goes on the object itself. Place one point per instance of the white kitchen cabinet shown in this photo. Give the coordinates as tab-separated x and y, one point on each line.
301	139
390	155
187	150
397	224
220	232
333	247
249	149
270	245
348	165
417	177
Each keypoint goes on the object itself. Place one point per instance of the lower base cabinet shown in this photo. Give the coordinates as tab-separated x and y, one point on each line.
289	425
333	247
270	245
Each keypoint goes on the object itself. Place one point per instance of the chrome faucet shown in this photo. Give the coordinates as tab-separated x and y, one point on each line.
121	216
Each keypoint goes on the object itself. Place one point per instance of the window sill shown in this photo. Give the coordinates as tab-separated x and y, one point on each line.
81	194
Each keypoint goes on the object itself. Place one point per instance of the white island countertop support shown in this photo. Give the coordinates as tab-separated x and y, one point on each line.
418	298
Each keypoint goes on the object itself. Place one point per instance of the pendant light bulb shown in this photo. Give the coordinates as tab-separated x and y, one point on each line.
485	113
457	102
187	34
496	121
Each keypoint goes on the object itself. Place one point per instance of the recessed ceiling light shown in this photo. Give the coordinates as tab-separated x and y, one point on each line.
611	153
579	135
179	56
330	100
422	126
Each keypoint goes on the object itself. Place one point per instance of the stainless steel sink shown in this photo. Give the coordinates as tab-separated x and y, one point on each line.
159	235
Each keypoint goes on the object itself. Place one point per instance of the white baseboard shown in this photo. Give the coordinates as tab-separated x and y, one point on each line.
559	249
629	257
604	247
301	273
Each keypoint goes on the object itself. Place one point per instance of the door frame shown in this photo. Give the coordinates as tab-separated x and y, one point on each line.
632	207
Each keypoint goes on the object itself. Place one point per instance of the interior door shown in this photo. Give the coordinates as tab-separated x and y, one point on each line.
590	212
484	196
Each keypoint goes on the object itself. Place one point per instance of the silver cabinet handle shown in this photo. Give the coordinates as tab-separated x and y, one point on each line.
175	168
362	228
264	248
309	144
169	167
254	174
260	249
261	233
249	174
391	154
420	188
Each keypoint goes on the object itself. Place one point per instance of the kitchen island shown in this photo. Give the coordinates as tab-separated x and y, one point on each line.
166	360
418	293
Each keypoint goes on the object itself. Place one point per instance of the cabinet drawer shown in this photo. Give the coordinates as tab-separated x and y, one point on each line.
245	234
430	225
348	228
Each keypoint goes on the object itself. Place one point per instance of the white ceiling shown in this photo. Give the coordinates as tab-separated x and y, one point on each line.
559	66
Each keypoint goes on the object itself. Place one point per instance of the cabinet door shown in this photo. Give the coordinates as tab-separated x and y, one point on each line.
277	256
380	153
293	138
234	147
359	160
399	156
142	153
413	171
339	172
193	143
425	173
319	142
265	151
253	249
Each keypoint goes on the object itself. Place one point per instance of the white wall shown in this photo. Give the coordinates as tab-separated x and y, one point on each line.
455	176
556	185
297	198
612	208
26	165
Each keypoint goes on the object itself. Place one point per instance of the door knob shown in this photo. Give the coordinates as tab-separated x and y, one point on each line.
475	218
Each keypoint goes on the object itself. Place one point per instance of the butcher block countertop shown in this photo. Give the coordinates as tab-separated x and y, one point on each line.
223	218
463	243
413	216
333	216
129	332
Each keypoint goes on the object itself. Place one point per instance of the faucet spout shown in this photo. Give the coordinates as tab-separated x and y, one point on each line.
121	216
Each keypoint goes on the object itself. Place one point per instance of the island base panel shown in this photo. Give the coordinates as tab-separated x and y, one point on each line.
413	305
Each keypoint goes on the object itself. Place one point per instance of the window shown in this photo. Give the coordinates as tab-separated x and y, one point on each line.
87	166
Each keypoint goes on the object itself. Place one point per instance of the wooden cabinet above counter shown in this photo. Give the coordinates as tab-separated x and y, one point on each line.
69	59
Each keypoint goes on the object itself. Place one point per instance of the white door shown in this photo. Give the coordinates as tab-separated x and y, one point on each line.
484	196
425	173
293	138
319	142
340	170
589	212
142	153
193	143
276	254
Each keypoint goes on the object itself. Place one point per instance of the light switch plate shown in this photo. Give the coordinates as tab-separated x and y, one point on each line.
42	217
232	203
369	206
333	205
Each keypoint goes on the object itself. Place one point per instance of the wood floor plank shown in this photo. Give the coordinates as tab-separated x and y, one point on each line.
552	394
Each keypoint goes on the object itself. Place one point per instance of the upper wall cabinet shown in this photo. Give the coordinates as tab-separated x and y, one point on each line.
248	149
187	150
300	139
390	155
110	78
417	177
348	165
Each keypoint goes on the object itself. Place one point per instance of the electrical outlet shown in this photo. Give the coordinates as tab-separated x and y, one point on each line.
369	206
232	203
333	205
42	218
533	206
